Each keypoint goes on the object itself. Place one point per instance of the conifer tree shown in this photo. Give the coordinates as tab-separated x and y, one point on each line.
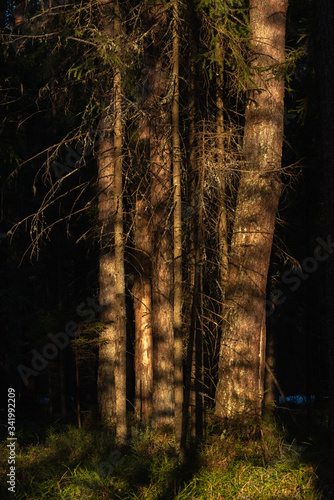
242	353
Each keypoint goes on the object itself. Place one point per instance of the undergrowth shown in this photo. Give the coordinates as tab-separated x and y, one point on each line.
69	463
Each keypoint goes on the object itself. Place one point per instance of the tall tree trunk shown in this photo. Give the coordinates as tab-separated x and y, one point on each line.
162	274
107	276
325	76
142	311
162	282
199	361
242	354
193	367
178	340
222	214
161	197
198	302
120	368
112	278
189	373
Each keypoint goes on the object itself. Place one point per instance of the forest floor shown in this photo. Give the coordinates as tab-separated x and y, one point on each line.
286	459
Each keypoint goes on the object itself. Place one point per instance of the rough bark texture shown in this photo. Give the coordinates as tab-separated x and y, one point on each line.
112	354
241	364
142	311
162	283
178	340
189	372
120	368
222	212
107	352
194	362
161	196
325	76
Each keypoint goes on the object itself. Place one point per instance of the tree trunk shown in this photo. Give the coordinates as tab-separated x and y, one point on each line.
120	368
142	311
112	355
222	214
198	302
196	199
161	197
199	362
107	276
189	373
193	368
162	283
242	354
178	340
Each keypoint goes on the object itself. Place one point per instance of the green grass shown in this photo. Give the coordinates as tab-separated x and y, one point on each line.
70	463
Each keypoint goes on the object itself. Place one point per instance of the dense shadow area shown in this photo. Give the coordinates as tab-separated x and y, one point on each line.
307	436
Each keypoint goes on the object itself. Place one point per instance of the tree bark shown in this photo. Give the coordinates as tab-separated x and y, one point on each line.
189	399
112	355
162	283
120	369
158	104
222	213
242	354
142	311
194	361
107	276
178	340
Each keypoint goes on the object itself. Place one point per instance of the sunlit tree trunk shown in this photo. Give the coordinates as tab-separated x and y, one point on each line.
162	276
194	256
107	275
142	311
199	355
158	104
120	369
242	354
178	340
112	356
198	299
222	214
